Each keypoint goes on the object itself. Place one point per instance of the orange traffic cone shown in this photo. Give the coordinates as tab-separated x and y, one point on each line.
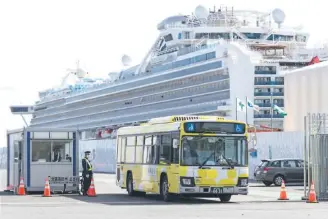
46	192
283	192
92	191
312	195
21	189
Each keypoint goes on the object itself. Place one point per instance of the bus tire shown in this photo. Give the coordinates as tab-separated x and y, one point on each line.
164	189
129	184
224	198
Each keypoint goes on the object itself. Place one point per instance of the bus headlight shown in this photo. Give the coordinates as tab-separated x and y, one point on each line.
187	181
243	182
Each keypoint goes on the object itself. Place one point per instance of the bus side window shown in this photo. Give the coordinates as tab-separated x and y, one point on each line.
175	149
119	148
123	145
148	150
165	149
156	148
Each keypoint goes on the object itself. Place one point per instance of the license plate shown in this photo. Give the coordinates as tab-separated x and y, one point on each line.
222	190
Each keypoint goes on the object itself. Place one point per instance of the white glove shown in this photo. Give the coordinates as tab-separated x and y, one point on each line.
87	175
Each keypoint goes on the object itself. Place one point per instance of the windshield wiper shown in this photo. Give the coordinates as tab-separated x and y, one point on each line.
200	167
228	162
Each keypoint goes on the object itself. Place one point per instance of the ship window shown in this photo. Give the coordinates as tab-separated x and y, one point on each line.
168	37
252	35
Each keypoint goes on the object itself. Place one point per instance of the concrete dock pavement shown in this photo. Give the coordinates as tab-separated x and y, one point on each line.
112	202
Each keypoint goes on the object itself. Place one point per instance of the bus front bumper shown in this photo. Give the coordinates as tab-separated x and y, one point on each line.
213	191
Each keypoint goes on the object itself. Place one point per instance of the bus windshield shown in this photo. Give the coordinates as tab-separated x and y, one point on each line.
214	151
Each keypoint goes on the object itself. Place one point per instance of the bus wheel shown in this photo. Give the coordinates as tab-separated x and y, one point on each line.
225	198
166	196
129	184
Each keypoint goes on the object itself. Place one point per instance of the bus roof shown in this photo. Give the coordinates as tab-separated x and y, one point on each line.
167	124
149	128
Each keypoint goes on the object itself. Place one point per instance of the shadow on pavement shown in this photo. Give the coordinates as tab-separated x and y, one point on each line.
3	193
124	199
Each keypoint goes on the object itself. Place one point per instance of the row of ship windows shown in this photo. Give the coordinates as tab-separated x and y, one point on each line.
188	91
150	80
268	101
268	79
266	112
253	36
184	62
259	90
140	112
216	86
193	80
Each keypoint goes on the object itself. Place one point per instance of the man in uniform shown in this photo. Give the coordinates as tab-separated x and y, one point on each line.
87	172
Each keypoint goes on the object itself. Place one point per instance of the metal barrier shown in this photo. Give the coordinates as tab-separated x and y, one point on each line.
316	154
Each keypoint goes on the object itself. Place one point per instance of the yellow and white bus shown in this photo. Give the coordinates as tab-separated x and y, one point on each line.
196	156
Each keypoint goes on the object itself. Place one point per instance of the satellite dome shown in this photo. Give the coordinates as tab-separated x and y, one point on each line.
201	12
278	16
126	60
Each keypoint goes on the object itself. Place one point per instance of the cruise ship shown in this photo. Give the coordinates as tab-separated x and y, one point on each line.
199	64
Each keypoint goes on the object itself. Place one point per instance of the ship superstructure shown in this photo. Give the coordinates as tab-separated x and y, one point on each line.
199	64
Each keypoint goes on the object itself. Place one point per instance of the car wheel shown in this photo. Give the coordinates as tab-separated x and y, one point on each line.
278	180
267	183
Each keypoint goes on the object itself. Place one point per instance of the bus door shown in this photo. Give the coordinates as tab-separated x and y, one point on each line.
175	168
169	156
120	156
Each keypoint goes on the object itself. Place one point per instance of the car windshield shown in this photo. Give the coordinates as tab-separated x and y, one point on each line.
264	163
214	151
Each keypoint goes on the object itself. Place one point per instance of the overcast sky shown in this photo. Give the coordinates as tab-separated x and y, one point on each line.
39	40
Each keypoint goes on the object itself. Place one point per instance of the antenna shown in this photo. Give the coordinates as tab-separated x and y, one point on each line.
278	16
126	60
201	12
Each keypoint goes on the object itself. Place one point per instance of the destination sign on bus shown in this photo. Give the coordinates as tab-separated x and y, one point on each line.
218	127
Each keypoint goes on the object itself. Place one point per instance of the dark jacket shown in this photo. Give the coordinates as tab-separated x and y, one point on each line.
87	166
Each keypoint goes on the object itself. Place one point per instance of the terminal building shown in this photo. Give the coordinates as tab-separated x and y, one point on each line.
305	92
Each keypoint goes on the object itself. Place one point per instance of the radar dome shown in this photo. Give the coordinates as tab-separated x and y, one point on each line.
126	60
201	12
278	16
